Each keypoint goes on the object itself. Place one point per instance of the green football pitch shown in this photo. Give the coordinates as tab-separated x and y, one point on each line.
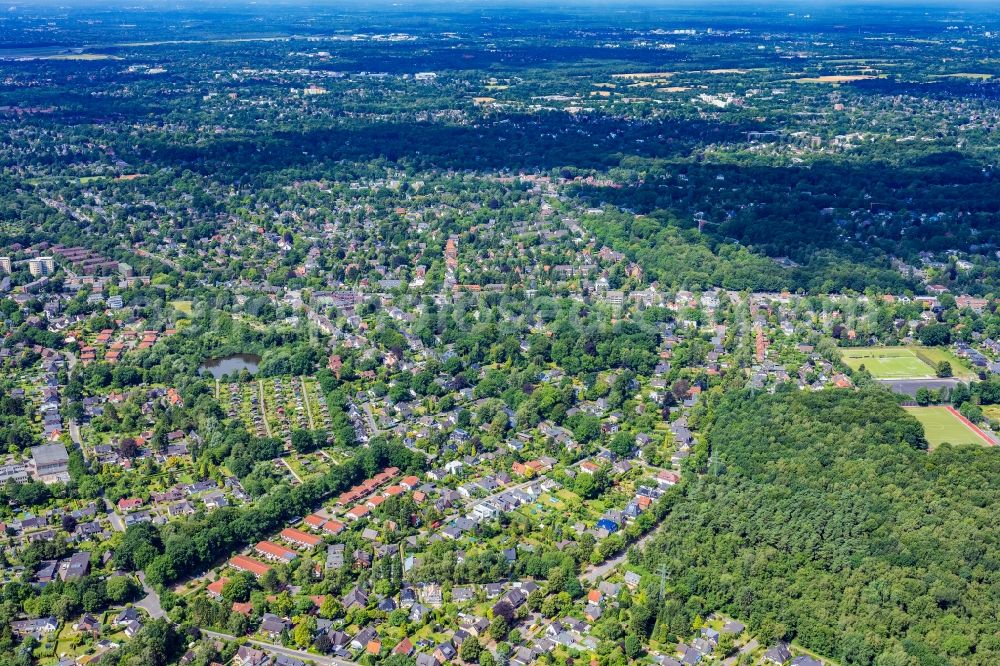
888	362
941	425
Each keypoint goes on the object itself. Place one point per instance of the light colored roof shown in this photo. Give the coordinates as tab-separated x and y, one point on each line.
48	454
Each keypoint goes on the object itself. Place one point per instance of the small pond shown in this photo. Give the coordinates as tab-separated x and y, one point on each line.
230	365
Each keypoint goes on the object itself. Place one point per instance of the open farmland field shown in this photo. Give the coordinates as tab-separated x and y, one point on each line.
943	424
836	79
643	75
974	76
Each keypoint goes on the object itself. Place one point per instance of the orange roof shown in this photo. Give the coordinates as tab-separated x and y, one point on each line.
410	482
349	496
374	646
215	587
392	491
404	647
360	511
298	536
375	501
244	563
274	550
242	609
333	526
594	596
315	520
668	476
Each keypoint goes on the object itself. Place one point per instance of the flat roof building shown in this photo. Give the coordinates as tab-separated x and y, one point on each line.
40	266
50	462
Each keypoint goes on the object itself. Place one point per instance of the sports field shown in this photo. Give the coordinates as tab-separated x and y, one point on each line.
888	362
944	424
903	362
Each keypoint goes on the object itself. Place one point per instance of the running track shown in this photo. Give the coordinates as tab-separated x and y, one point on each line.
971	426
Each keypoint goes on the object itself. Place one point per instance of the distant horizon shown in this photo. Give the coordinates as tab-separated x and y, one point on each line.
436	5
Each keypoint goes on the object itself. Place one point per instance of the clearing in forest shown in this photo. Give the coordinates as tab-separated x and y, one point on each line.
945	424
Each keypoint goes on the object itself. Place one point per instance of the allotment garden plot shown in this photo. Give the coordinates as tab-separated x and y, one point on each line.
276	406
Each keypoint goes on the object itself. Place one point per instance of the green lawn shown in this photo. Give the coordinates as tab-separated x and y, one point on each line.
992	412
183	307
934	355
942	426
888	362
914	362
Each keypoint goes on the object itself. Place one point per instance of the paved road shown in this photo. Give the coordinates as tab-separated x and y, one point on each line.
70	361
273	649
602	569
116	521
373	428
74	433
74	427
151	602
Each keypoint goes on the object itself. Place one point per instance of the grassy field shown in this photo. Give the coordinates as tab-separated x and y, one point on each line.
941	426
835	79
184	307
904	362
934	355
888	362
975	76
644	75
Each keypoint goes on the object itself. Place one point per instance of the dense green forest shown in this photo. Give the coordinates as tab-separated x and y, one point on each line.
825	521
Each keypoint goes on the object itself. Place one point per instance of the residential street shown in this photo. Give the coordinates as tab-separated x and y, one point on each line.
151	602
595	571
273	649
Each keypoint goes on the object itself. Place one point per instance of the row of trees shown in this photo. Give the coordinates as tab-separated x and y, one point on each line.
187	546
